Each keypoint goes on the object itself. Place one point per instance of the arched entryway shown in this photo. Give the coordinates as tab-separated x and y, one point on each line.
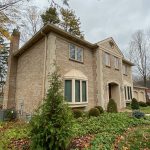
114	92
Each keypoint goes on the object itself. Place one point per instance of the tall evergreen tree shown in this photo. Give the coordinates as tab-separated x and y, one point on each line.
70	22
50	16
4	52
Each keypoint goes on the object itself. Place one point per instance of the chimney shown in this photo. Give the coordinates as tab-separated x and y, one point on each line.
15	38
10	90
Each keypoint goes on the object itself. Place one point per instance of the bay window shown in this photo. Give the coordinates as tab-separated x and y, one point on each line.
75	91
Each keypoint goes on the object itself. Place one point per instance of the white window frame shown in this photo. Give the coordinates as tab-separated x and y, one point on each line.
73	91
76	50
116	62
107	59
127	94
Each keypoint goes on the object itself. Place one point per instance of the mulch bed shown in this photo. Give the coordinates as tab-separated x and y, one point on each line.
81	142
19	144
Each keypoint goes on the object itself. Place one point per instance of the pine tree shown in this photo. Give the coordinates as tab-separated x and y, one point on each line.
50	16
4	52
51	126
70	22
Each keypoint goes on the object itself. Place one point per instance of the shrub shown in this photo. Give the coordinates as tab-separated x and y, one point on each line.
112	106
142	104
138	114
100	108
10	114
134	104
77	113
52	124
94	112
148	103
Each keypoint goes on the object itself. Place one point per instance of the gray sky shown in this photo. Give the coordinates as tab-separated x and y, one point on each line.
110	18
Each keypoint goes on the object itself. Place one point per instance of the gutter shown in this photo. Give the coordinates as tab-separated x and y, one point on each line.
44	69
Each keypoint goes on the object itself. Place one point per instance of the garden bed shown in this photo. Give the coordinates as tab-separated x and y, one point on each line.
91	133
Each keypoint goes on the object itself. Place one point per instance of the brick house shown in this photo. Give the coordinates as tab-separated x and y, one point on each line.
92	73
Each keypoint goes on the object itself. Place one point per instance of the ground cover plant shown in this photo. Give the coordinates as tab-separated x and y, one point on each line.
92	133
106	128
135	139
14	135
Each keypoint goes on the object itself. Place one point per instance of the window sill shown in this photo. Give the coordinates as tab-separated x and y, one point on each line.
117	69
107	66
81	62
78	104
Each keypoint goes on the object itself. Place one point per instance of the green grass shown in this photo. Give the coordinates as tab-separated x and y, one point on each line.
146	110
136	139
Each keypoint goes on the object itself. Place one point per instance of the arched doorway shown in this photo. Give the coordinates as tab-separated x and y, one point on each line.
114	92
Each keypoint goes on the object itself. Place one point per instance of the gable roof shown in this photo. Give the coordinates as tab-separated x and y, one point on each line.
110	39
51	28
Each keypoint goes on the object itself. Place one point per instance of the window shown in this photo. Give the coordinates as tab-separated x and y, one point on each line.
125	69
125	92
76	53
68	90
107	59
76	91
128	92
116	62
84	97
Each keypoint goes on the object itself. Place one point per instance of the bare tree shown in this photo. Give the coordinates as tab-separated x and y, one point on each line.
30	22
139	54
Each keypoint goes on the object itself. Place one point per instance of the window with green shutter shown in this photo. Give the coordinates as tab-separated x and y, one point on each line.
77	90
68	90
84	98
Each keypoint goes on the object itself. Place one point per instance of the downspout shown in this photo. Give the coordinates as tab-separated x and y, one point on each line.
44	68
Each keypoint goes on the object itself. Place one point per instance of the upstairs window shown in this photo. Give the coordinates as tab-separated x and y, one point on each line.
125	69
107	59
76	53
116	61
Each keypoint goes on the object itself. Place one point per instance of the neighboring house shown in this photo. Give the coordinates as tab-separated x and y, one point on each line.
140	93
147	88
92	73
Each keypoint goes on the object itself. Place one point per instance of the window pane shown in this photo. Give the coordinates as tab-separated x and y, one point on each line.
68	90
125	92
128	92
116	63
84	99
107	59
72	51
77	90
79	54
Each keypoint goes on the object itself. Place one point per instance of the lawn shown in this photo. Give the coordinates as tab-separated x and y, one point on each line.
91	133
145	110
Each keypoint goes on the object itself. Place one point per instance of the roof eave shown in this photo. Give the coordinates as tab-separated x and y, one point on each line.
51	28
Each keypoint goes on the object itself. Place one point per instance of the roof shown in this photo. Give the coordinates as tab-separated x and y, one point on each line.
141	83
128	62
51	28
110	39
140	87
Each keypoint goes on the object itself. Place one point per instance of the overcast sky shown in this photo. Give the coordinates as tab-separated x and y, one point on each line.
101	19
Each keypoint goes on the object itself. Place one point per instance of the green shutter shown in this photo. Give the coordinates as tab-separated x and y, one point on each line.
84	98
77	91
68	90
